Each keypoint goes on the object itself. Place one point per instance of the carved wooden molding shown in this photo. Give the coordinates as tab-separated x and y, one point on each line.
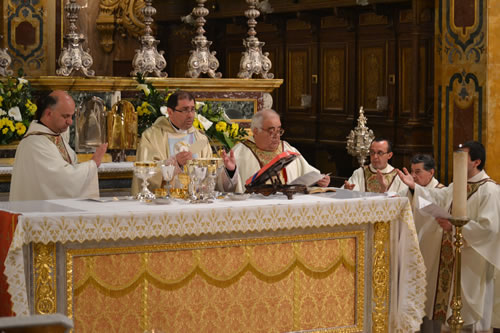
124	16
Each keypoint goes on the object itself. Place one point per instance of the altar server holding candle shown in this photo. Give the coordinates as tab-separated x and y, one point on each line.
478	199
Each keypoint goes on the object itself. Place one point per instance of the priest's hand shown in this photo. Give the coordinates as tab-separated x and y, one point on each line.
183	157
406	178
99	153
348	186
325	181
229	160
444	223
382	181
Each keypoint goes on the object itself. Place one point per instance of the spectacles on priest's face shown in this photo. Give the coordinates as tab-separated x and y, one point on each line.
274	131
186	110
378	153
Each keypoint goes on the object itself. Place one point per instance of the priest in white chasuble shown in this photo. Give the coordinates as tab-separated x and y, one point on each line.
379	176
480	254
429	232
173	139
252	154
45	166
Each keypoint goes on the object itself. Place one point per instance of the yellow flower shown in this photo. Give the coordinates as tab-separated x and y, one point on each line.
5	130
20	128
234	129
19	87
31	107
197	124
1	100
143	109
221	126
168	96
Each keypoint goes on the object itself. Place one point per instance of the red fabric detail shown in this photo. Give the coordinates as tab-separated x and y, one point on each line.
8	223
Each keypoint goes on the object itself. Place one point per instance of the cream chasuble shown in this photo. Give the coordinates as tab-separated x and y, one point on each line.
158	141
46	168
249	164
480	255
364	180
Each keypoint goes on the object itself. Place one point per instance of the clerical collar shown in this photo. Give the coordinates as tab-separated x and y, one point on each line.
52	132
177	129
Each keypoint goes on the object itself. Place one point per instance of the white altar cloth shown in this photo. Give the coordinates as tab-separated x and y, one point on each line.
75	220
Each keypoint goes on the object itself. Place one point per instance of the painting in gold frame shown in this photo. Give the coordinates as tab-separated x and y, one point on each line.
239	110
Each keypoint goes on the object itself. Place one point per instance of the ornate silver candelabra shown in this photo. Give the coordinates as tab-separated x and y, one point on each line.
253	60
360	139
5	61
73	58
147	59
201	59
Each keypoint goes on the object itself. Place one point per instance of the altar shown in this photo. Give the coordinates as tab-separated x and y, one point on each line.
262	264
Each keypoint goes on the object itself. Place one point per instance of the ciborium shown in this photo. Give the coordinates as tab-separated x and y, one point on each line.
455	321
144	171
360	139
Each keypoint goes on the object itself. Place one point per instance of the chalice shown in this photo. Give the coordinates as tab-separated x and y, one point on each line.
168	173
144	171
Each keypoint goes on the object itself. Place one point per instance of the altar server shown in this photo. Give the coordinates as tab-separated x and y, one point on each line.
379	176
45	166
252	154
171	140
480	255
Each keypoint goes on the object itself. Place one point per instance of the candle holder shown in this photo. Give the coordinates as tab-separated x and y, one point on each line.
73	58
201	59
253	60
147	59
455	321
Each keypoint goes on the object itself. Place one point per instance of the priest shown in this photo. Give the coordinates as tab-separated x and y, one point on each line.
480	255
423	168
379	176
173	140
252	154
45	166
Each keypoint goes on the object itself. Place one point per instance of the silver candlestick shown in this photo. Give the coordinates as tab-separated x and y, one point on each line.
73	58
201	59
5	61
360	139
147	59
253	60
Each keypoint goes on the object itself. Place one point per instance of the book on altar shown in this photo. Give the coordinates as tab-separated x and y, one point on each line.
431	209
308	179
272	168
318	189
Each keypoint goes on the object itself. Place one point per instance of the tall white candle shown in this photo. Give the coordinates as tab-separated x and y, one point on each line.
459	208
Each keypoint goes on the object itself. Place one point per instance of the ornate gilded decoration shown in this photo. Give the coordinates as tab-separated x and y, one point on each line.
44	263
201	59
253	60
5	61
190	275
360	139
122	126
73	58
381	269
334	74
122	15
455	320
147	59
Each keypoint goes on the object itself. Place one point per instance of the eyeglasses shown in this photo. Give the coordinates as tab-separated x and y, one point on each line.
274	130
186	111
378	153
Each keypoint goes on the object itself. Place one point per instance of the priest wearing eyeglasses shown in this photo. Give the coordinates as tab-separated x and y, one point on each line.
170	140
252	154
379	176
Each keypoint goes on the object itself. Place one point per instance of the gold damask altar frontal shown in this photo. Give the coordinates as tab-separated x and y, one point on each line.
274	284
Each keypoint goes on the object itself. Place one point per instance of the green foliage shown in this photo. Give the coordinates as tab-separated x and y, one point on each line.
17	109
